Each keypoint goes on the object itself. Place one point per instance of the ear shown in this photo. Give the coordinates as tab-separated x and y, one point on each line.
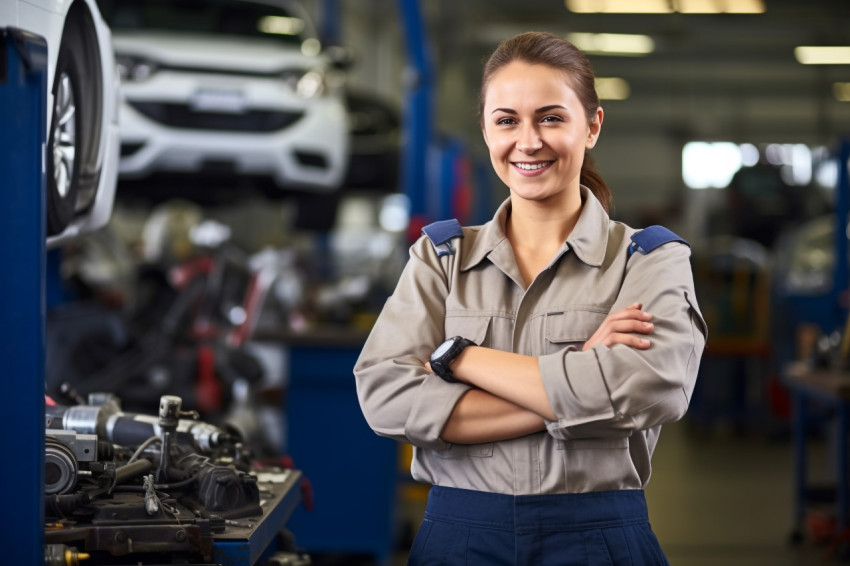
594	128
484	135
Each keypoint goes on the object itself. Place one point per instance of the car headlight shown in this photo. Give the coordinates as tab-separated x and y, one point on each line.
306	84
134	68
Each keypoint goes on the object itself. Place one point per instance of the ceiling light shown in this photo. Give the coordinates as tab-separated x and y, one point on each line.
612	88
612	43
719	6
620	6
812	55
666	6
841	91
697	6
744	7
280	25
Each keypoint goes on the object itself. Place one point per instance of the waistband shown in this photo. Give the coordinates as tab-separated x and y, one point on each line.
537	513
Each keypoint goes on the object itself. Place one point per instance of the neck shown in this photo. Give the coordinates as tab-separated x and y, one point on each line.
543	224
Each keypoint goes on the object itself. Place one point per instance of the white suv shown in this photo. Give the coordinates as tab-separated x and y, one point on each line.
228	86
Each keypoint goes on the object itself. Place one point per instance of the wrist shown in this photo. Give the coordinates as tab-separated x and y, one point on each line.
445	355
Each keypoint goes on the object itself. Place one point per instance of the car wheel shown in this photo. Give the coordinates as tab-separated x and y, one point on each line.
64	140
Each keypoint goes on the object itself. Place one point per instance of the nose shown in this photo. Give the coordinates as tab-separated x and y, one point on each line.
529	139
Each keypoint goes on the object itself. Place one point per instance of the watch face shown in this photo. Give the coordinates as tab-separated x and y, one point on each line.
442	349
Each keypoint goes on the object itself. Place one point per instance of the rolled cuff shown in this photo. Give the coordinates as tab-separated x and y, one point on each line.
435	401
576	390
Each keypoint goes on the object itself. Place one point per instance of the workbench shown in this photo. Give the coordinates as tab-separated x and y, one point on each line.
831	387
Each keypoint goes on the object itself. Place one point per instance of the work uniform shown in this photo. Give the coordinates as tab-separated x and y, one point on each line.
609	402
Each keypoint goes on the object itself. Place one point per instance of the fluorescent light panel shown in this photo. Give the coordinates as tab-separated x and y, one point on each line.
666	6
620	6
612	88
612	43
815	55
280	25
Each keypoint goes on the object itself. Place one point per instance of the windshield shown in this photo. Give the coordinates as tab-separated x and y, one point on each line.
220	17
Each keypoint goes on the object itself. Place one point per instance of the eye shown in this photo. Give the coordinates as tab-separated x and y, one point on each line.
552	118
506	121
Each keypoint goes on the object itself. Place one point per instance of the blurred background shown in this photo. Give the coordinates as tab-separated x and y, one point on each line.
287	177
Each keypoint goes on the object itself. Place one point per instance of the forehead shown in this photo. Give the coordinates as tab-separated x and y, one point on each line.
519	81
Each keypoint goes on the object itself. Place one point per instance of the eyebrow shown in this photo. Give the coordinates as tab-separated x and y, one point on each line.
538	111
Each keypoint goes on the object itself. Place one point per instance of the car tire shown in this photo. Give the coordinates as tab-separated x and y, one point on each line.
64	144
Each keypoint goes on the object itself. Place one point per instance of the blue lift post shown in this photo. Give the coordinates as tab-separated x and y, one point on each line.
418	109
23	102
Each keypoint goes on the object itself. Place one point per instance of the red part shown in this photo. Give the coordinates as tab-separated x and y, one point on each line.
414	227
462	190
208	387
307	494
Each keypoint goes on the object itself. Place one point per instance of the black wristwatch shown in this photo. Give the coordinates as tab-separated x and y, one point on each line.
446	353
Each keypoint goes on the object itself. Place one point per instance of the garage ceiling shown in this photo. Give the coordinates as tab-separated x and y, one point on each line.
738	69
711	77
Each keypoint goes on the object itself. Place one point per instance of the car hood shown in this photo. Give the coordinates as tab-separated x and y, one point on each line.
212	51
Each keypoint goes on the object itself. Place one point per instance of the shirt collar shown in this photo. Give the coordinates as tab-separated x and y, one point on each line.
588	240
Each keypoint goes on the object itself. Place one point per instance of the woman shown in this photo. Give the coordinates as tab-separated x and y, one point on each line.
536	420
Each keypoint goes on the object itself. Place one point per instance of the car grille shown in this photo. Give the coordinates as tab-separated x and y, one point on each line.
184	117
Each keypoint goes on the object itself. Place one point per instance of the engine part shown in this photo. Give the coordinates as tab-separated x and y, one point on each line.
103	417
160	494
60	467
84	446
62	555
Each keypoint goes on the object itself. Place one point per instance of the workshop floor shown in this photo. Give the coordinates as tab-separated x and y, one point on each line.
720	498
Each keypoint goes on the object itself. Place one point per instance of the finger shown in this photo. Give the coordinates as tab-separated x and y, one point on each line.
629	340
623	322
626	326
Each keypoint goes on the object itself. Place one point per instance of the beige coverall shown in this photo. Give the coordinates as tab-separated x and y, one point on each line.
610	402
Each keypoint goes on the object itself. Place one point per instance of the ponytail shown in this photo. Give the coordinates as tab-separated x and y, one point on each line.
591	179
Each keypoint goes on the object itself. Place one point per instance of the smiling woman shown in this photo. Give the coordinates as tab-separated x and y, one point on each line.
531	361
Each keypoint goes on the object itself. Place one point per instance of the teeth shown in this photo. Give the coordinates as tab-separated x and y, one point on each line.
532	166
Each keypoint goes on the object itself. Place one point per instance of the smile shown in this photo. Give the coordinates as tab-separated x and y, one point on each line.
533	166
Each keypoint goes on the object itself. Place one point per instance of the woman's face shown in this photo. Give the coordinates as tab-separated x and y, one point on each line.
536	130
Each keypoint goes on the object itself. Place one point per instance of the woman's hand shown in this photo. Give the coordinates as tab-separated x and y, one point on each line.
621	327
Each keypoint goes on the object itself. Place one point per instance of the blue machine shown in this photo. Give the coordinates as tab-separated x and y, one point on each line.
23	96
352	471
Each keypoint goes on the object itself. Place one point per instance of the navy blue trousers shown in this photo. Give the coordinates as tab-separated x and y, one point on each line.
463	527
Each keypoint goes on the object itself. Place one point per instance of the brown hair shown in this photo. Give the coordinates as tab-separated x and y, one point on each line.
539	48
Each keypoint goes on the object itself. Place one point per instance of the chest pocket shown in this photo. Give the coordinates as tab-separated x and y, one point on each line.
570	329
474	327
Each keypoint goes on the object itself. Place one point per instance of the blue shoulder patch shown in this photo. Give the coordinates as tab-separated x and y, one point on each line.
441	234
650	238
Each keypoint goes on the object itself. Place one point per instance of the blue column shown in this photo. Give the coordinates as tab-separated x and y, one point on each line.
841	275
329	20
418	108
23	92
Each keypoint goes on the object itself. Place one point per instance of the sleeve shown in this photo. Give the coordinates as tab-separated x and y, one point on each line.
398	397
613	391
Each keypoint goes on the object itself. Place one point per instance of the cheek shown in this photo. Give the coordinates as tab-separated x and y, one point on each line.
499	146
